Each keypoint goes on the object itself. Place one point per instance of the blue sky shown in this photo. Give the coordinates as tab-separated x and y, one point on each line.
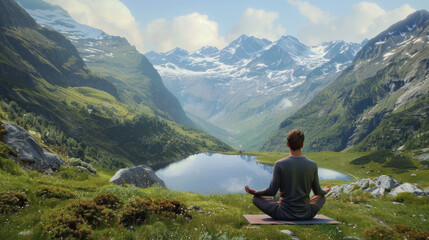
190	24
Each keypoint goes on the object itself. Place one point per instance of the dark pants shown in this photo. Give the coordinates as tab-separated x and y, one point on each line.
281	211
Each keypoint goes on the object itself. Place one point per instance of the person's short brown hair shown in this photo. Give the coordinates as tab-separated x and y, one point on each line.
295	138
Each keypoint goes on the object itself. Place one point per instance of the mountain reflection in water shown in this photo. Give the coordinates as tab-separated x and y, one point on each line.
215	173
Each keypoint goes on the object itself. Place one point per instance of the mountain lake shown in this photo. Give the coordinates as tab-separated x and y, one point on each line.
214	173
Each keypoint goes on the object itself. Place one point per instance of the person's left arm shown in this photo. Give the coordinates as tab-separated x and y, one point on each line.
317	190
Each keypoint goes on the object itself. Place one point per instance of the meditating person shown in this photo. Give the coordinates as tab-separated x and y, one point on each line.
295	176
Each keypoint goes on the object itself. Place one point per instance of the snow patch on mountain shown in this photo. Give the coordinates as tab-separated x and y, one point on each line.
60	21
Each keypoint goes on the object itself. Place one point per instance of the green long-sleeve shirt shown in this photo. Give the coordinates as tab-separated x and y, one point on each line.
295	177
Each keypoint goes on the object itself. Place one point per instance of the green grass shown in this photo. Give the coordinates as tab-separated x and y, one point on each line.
222	216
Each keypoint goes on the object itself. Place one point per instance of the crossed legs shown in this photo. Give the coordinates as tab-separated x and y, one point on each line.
271	207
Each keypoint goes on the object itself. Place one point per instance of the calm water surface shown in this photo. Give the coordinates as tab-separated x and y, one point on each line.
207	173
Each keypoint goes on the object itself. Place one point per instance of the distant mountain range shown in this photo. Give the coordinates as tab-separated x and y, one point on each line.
380	101
251	83
138	83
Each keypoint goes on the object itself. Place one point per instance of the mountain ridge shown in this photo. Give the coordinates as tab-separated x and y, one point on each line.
387	77
240	87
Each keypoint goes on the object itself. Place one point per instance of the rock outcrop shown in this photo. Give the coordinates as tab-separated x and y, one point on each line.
377	187
31	154
140	176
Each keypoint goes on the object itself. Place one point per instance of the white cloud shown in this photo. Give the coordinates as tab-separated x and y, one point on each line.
189	32
112	16
366	20
311	12
258	23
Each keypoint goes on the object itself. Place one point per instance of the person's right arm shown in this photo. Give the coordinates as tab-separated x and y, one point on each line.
274	185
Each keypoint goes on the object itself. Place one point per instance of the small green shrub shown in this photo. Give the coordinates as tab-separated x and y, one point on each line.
407	197
108	200
381	233
409	233
400	162
66	226
73	173
77	162
9	166
11	201
136	212
170	208
356	196
92	213
54	192
379	156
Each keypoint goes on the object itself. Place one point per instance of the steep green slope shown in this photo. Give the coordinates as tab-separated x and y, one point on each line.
139	84
53	93
378	102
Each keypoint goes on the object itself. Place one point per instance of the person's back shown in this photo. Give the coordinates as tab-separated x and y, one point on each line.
295	176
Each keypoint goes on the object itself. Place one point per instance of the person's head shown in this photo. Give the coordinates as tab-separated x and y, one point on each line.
295	139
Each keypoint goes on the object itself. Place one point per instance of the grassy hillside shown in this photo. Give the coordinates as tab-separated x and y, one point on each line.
221	217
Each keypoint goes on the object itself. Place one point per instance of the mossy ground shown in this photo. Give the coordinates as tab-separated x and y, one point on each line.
222	217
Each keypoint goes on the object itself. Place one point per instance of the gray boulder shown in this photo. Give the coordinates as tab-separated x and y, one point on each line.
407	187
378	192
348	188
29	150
140	176
386	182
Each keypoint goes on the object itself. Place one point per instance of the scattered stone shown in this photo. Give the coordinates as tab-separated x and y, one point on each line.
82	168
140	176
407	187
413	175
253	227
394	214
290	233
368	206
29	150
25	233
352	238
397	203
195	208
48	172
348	188
423	157
377	187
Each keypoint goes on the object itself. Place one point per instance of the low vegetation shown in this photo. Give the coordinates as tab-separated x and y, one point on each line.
101	210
